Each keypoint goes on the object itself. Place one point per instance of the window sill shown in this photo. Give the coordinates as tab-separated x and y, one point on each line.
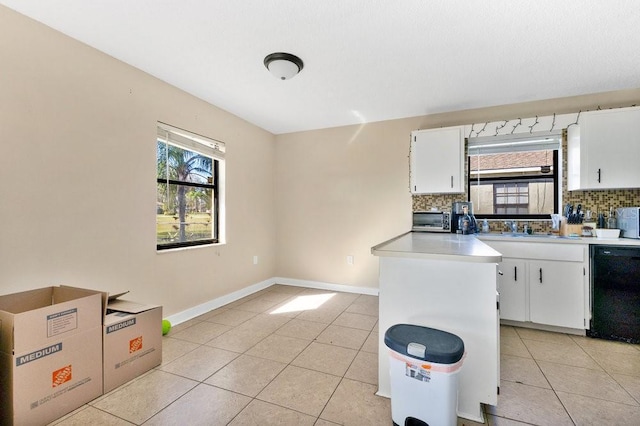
201	246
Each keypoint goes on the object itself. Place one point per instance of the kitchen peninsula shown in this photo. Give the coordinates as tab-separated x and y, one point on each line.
448	282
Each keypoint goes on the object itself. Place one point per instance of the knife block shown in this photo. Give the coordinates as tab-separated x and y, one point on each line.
567	229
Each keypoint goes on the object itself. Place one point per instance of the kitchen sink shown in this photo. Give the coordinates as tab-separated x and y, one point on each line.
525	235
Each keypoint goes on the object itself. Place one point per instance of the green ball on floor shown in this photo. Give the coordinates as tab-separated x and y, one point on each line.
166	326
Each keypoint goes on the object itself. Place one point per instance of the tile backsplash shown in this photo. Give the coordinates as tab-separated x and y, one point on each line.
442	202
600	201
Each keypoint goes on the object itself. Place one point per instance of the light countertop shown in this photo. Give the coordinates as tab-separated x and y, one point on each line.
541	238
470	248
438	246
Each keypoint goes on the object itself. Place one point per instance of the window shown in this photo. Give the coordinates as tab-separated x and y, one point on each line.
511	198
189	188
514	176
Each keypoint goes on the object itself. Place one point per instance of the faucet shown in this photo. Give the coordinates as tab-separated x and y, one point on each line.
512	225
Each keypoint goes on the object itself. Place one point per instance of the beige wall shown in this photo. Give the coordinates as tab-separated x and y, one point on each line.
77	176
340	191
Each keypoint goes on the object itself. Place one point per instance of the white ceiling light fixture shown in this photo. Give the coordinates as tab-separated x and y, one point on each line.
283	65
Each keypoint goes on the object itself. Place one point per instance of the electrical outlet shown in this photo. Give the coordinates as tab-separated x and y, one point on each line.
255	260
350	260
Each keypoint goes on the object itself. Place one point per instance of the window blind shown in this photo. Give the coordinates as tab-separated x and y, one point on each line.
523	142
182	138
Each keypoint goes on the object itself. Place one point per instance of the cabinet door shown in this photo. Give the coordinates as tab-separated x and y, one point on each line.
609	149
556	293
512	288
437	160
574	174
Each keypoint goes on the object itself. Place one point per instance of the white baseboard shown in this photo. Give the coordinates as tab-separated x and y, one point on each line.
565	330
371	291
203	308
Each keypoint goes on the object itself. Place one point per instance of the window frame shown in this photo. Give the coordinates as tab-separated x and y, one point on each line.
216	155
511	183
529	178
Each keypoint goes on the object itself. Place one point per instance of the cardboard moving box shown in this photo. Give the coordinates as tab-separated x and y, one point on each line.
132	340
50	339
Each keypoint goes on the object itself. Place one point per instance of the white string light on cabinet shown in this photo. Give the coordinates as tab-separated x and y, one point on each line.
577	119
516	126
483	128
501	127
533	125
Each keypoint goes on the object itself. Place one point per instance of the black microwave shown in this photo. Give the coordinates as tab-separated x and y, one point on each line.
431	221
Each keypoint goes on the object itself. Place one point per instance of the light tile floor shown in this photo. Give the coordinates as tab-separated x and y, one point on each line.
268	360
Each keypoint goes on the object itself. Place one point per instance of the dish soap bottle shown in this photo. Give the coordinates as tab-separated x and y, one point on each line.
485	226
612	223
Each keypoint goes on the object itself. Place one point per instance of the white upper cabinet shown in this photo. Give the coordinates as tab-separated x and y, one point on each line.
573	158
603	152
437	160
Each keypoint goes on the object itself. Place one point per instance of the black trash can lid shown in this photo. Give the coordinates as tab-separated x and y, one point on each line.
424	343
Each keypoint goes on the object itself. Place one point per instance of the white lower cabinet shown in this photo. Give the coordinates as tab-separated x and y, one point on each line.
543	283
556	293
512	280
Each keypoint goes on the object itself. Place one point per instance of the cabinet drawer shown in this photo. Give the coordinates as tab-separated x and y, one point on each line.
540	251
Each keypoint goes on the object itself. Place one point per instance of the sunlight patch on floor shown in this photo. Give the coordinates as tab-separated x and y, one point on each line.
304	303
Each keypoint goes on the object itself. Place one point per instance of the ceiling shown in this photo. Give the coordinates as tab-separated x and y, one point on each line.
364	60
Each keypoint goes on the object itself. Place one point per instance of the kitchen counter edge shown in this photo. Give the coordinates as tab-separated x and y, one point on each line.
562	240
438	246
471	248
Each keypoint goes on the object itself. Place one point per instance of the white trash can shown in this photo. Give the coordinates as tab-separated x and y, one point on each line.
424	365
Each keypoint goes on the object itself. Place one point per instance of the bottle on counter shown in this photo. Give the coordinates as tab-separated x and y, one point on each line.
601	222
612	223
466	221
485	226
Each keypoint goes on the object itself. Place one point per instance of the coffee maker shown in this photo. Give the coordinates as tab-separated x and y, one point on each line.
462	219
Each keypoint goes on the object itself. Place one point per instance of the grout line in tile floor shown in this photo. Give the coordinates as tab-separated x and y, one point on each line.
547	379
620	410
212	391
319	332
326	326
549	382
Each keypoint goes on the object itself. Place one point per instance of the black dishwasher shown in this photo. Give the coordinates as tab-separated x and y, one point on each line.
615	292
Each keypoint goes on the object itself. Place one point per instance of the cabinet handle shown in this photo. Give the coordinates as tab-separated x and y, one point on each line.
599	175
451	181
540	275
500	272
515	273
